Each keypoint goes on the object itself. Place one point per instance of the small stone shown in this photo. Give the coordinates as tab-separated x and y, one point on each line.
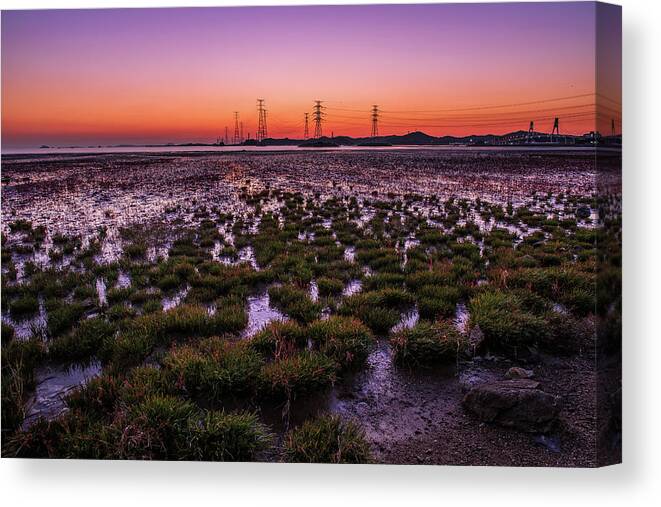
516	372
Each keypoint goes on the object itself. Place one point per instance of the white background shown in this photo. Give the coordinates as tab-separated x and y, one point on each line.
636	482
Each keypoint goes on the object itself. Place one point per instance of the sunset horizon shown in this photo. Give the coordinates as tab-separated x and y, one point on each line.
149	76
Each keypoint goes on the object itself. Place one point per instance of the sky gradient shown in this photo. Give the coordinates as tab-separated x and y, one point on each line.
81	77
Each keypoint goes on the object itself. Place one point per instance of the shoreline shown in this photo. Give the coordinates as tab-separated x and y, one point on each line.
225	150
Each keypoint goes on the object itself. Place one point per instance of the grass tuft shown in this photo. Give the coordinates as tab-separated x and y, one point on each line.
327	439
428	344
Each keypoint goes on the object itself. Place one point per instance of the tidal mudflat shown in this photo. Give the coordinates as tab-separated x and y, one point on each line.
400	306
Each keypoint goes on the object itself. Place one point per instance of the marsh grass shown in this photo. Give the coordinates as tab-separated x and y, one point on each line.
346	340
329	286
24	306
298	375
505	322
295	302
567	335
19	360
141	382
378	310
327	439
83	342
63	318
138	336
220	436
279	340
428	344
71	435
97	398
214	369
437	301
119	295
156	428
160	366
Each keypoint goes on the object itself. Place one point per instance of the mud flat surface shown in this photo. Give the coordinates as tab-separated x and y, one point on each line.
78	193
147	235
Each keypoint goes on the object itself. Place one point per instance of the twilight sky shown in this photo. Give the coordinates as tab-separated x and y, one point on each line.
73	77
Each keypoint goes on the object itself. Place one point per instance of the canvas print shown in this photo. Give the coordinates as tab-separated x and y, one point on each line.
374	234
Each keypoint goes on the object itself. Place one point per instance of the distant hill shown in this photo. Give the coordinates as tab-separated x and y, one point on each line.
417	138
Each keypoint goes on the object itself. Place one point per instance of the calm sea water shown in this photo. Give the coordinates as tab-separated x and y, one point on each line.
226	149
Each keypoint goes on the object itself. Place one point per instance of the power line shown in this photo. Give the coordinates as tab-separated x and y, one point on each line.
499	106
583	116
521	113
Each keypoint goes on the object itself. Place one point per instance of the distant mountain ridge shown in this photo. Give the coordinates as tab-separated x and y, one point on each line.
418	138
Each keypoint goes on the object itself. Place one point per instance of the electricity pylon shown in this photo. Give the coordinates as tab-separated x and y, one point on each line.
556	129
318	115
261	121
237	134
375	120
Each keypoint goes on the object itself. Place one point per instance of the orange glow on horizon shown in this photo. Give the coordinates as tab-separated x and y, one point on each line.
178	75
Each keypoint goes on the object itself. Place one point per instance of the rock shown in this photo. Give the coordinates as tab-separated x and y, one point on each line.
471	378
517	404
516	372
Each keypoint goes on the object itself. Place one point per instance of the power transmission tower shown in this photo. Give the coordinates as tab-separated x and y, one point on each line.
237	139
556	128
227	139
306	132
531	131
318	115
261	121
241	132
375	121
613	126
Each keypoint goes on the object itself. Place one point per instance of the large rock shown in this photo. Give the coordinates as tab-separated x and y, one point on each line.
518	404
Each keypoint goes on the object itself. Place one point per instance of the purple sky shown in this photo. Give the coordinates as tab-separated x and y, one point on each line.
150	75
